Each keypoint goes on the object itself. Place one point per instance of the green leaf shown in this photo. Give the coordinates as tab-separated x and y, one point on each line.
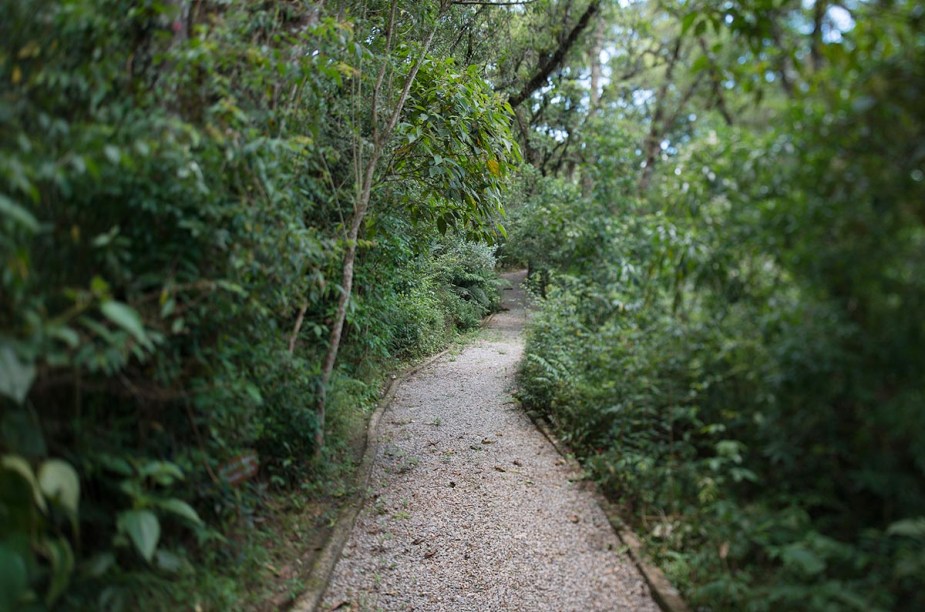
59	482
99	564
253	392
15	463
12	210
99	287
167	309
16	377
116	464
143	528
13	578
232	287
113	598
105	239
20	432
162	472
168	561
112	153
802	559
688	21
180	508
910	528
66	335
61	557
125	317
700	64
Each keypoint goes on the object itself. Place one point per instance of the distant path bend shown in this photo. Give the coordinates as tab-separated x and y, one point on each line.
471	508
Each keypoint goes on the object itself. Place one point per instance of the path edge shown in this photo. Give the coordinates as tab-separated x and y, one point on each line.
319	576
663	592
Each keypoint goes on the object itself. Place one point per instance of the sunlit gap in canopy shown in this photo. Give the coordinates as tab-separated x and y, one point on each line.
836	22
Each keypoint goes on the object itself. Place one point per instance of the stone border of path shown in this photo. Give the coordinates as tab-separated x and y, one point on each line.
664	593
320	573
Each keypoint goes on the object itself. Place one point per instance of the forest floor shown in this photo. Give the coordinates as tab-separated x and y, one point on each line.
470	507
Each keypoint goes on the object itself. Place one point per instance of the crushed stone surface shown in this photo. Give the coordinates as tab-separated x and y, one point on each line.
471	508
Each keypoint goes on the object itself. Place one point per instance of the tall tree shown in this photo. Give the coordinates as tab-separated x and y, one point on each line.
464	148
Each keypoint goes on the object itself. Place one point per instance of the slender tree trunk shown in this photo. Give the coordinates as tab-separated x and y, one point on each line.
294	337
653	139
337	329
819	10
716	82
180	25
529	152
785	63
666	125
597	45
380	139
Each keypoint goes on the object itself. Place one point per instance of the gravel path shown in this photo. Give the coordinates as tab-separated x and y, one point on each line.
471	508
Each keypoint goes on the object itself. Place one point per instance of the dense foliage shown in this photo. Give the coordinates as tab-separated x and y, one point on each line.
222	223
736	349
175	181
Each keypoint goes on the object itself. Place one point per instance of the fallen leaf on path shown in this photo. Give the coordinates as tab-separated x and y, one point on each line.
574	518
500	469
487	441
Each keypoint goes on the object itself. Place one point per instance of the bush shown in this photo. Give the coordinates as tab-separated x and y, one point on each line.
467	269
419	322
739	375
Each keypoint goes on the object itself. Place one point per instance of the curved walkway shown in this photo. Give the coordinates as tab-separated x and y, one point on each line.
471	508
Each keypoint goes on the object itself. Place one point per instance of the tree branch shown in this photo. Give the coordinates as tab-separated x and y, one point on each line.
555	60
489	3
715	78
652	142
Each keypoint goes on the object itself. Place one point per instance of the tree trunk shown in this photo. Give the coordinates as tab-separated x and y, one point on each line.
597	45
380	139
815	51
294	337
653	139
327	369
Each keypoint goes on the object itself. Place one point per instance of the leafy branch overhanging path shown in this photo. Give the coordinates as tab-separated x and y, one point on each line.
471	508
